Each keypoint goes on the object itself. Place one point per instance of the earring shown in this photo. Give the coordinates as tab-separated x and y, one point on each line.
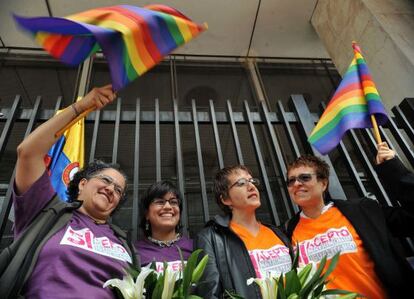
147	225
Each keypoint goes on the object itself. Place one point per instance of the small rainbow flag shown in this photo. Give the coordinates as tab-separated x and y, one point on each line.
352	105
133	39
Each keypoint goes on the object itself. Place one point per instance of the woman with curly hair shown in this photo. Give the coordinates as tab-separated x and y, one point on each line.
86	251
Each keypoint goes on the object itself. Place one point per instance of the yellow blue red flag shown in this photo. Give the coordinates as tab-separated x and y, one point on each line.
66	157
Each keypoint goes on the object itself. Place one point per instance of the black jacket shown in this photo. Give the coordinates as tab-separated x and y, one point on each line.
229	265
378	226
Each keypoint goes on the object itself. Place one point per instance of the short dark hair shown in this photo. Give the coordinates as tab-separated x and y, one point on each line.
88	171
157	190
320	166
221	184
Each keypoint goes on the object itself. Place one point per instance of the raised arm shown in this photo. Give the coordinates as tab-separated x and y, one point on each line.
397	179
399	183
31	152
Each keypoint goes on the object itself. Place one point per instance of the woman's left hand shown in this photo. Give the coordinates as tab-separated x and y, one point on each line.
97	98
384	153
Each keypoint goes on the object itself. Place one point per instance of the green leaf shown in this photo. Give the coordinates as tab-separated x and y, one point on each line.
304	273
159	286
149	284
188	270
296	258
293	296
338	292
153	265
199	269
350	296
313	282
293	285
317	291
281	288
332	265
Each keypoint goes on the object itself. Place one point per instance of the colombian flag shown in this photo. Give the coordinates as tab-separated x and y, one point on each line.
66	157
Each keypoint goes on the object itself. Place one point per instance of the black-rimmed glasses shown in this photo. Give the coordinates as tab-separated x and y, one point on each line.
301	178
244	182
174	202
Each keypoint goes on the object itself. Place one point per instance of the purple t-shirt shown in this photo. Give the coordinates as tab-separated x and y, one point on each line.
77	260
149	252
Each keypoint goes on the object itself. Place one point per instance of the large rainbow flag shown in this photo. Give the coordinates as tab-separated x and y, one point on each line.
133	39
352	105
66	157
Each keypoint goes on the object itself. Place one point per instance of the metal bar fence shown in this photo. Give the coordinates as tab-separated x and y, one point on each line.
358	146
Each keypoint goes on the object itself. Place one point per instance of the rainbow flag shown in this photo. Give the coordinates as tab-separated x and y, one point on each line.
133	39
66	157
352	105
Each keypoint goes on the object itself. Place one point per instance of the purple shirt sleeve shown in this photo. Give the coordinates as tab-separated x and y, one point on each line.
28	204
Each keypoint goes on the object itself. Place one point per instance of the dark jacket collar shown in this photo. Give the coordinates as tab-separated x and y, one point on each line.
222	220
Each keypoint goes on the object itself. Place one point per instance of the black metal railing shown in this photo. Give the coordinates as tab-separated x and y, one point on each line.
264	138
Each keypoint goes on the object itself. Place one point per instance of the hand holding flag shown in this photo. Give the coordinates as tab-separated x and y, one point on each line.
355	104
66	156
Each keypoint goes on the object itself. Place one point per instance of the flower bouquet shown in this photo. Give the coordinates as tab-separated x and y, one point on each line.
307	282
146	283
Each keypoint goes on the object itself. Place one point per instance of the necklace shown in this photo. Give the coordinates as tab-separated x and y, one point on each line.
168	243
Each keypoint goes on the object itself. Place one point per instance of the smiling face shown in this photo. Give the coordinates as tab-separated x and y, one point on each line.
163	215
101	193
306	194
242	198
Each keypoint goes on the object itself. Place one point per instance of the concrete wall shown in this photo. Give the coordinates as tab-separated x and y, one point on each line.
384	29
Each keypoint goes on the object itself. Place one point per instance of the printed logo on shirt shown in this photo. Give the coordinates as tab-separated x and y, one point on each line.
85	239
329	243
175	266
275	260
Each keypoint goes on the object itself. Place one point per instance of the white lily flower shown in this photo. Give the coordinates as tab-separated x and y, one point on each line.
268	286
125	286
271	283
128	288
169	283
139	283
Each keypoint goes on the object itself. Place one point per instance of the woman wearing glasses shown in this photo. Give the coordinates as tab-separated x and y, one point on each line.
238	245
161	207
371	263
85	249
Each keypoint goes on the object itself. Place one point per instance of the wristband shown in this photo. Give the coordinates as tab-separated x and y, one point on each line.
74	109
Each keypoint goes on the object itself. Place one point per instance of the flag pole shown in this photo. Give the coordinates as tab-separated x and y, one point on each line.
75	120
375	129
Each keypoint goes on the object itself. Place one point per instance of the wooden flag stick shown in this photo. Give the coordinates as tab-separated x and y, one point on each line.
376	130
75	120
